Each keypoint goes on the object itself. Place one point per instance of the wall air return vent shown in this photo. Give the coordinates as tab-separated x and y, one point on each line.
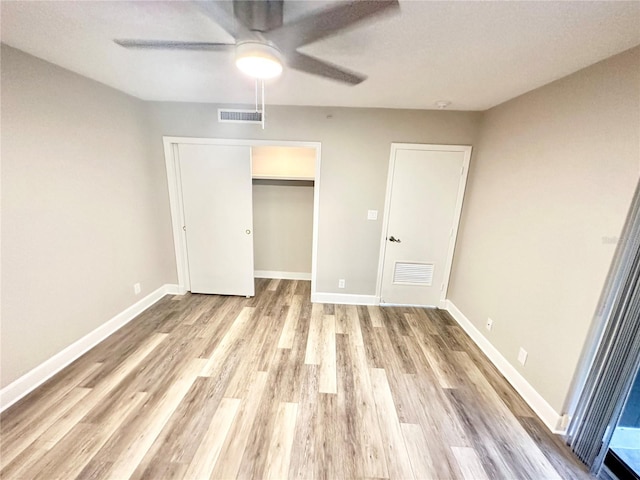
413	273
226	115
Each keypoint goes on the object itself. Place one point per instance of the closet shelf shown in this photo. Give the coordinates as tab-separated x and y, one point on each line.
277	177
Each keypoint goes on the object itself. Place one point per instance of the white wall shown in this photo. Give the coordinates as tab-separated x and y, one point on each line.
355	155
84	209
552	175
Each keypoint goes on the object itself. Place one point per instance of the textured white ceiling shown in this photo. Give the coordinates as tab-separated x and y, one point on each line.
474	54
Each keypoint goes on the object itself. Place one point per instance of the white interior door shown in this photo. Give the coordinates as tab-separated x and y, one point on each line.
424	200
217	207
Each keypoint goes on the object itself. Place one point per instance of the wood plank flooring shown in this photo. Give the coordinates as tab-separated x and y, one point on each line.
274	387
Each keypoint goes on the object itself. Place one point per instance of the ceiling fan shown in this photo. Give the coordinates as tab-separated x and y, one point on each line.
264	43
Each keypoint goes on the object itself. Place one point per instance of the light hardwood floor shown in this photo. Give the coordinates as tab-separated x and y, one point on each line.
274	387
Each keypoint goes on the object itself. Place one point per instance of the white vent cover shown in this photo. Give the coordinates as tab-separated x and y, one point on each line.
413	273
226	115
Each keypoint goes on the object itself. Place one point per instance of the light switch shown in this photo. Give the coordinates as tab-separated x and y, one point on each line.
372	214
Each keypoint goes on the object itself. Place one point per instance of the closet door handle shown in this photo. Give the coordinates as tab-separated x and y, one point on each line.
394	239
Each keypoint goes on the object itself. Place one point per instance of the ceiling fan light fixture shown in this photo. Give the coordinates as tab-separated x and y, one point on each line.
258	60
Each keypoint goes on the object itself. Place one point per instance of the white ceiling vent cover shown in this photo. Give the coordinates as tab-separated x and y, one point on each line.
226	115
413	273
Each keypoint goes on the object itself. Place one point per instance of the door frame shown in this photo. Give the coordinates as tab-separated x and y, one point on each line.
466	149
175	196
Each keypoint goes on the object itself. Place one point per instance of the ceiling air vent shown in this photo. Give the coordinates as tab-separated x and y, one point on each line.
239	116
413	273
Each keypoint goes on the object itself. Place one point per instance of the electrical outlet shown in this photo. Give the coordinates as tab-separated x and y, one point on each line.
136	288
522	356
372	214
489	324
341	283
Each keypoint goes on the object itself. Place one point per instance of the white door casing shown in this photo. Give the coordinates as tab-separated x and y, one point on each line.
218	217
425	190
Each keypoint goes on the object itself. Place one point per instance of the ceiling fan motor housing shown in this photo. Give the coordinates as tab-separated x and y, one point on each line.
259	16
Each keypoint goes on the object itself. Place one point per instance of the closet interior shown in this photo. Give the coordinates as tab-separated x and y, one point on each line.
283	199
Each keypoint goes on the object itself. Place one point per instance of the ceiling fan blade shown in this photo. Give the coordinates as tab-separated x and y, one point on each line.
305	63
171	45
328	22
217	12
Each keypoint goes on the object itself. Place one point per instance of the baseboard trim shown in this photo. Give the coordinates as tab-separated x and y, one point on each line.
345	299
174	289
539	405
282	275
43	372
414	305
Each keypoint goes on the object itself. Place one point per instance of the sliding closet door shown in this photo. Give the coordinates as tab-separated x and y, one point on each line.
216	198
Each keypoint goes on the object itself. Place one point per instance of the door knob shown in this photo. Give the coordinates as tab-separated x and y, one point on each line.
248	232
393	239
